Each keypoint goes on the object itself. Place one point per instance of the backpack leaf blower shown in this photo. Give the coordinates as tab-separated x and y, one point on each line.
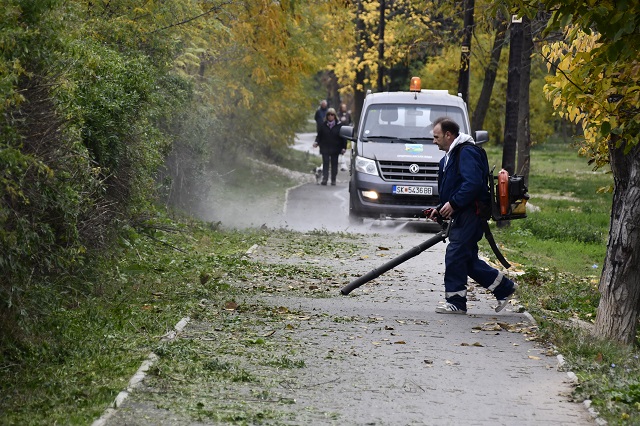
509	196
508	201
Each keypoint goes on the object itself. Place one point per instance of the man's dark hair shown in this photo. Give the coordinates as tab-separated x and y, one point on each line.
447	125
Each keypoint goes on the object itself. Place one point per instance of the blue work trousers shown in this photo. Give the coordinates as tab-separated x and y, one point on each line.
461	261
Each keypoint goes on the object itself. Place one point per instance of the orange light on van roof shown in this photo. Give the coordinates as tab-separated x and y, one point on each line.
415	84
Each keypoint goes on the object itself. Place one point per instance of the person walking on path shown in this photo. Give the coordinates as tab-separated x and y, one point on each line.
463	187
344	116
331	144
320	114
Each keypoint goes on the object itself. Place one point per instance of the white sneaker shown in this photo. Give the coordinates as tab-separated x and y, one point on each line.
449	308
502	303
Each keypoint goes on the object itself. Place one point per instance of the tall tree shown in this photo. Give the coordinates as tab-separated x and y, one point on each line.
524	130
465	50
362	44
490	72
596	84
387	34
381	28
513	96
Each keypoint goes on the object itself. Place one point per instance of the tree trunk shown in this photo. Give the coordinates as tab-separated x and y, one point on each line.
381	29
333	90
480	112
513	98
361	44
524	130
619	308
465	54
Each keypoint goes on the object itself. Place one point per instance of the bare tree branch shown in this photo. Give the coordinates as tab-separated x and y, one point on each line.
214	9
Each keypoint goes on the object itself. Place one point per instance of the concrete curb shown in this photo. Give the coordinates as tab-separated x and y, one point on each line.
574	379
286	197
139	376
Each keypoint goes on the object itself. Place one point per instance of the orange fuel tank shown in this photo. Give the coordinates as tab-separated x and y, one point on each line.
503	191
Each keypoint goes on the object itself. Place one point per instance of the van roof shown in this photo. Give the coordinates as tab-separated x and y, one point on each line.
425	96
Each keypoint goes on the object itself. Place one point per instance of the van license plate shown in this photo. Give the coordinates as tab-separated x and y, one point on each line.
412	190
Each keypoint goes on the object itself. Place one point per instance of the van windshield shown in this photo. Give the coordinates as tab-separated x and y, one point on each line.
390	122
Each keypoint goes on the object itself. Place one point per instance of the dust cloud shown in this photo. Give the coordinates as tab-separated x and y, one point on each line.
304	207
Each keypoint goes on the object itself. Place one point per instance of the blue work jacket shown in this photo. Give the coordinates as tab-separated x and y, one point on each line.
465	178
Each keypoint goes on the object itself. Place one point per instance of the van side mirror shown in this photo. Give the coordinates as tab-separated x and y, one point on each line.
482	136
347	132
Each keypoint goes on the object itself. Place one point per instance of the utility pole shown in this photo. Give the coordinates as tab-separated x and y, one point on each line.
465	54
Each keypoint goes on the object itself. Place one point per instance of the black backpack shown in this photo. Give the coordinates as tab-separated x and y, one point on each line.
516	189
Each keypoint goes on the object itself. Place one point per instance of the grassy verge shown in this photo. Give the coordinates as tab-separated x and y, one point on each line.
561	248
87	344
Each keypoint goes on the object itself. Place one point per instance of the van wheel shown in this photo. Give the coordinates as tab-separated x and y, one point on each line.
354	219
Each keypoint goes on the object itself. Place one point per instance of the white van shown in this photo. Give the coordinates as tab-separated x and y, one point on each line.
394	162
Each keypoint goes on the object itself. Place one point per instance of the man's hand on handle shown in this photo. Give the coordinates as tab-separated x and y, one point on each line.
440	213
446	211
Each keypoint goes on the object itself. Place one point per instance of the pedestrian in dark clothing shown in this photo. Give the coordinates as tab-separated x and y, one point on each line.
344	116
320	114
463	187
331	145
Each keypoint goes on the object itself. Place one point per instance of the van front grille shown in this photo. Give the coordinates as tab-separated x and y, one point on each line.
400	171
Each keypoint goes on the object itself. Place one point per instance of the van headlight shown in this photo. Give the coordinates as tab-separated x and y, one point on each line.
365	165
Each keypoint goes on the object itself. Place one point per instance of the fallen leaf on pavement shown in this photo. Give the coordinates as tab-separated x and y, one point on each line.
230	306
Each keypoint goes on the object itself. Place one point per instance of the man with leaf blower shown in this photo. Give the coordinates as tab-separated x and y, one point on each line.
463	178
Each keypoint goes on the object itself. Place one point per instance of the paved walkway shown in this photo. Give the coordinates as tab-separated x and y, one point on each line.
382	356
